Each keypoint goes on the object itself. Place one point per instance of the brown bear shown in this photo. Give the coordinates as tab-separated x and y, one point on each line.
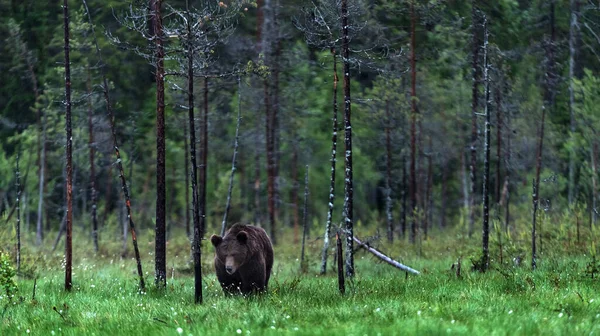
243	259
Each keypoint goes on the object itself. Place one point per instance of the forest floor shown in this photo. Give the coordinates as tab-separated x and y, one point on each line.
558	298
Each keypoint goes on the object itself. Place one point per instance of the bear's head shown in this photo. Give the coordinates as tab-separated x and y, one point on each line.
232	251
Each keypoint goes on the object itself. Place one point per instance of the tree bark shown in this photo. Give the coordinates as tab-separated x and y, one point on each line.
413	144
303	266
499	126
196	247
187	179
486	163
203	162
573	30
474	105
593	151
388	175
340	264
348	188
385	258
92	146
18	226
69	154
549	94
333	161
40	210
160	255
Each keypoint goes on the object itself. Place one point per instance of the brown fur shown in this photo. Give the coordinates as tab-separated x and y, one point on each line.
243	259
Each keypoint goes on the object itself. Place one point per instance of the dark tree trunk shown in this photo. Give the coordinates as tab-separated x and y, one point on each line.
486	163
40	211
533	234
111	119
294	191
348	188
340	264
187	179
160	255
404	197
203	162
593	150
276	127
413	127
257	212
69	154
507	158
270	163
196	247
92	146
303	266
444	196
333	164
573	33
549	94
428	192
388	175
498	144
474	105
18	227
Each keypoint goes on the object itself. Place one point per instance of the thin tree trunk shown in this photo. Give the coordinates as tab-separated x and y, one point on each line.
203	162
533	234
444	196
257	213
276	127
413	144
498	144
234	158
507	165
270	162
573	30
348	188
160	256
294	191
18	228
388	175
69	154
547	104
333	164
486	163
594	183
404	198
92	146
428	192
111	119
474	105
340	264
196	239
465	181
40	211
267	50
385	258
187	179
303	266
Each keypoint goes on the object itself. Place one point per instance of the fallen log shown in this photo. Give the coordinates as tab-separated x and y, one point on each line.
385	258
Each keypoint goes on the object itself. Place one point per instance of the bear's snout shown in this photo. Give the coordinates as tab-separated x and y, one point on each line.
229	269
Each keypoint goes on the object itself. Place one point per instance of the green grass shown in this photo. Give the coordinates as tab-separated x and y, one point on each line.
558	298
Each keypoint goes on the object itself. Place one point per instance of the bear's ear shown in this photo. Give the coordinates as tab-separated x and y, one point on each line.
242	237
216	240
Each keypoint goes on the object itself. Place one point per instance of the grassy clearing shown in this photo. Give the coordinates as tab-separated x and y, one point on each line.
558	298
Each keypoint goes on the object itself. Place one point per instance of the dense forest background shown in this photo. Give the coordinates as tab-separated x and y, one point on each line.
542	56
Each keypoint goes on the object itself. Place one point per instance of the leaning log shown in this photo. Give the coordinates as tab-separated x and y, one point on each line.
385	258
